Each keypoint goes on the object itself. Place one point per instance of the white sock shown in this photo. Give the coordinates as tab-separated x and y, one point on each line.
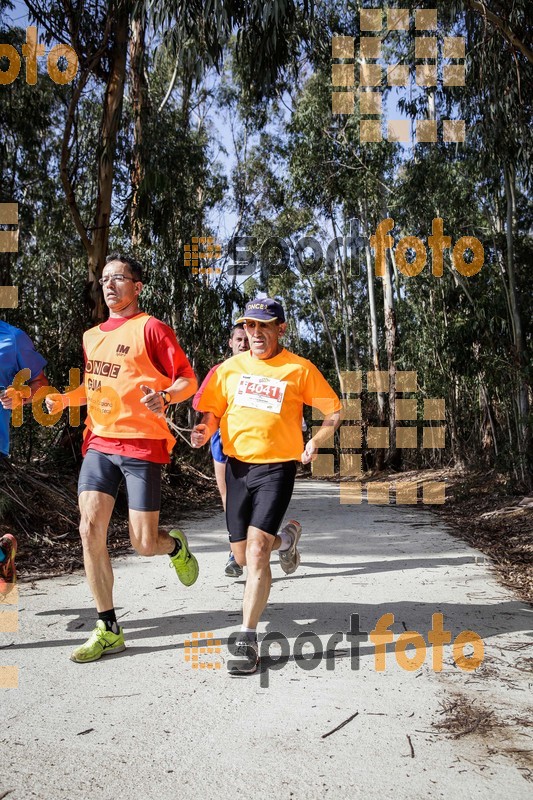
251	633
286	540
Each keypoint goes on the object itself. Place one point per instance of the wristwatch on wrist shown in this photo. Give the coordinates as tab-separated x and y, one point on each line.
166	397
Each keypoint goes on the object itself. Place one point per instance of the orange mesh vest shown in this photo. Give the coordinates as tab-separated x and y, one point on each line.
117	365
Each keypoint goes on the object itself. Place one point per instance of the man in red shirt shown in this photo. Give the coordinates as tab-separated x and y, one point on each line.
134	369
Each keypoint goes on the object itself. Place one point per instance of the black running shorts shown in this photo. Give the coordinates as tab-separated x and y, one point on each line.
258	495
101	472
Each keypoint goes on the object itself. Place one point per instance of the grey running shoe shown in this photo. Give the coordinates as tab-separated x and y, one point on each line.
290	559
232	569
246	656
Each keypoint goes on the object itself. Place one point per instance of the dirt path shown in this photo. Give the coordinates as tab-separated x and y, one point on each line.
146	724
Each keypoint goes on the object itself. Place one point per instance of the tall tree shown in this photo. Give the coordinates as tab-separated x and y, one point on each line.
99	34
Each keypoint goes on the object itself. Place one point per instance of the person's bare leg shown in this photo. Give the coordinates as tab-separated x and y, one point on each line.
149	540
145	536
259	545
239	549
220	476
95	510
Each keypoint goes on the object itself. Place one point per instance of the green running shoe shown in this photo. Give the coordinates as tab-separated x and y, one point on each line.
100	643
184	562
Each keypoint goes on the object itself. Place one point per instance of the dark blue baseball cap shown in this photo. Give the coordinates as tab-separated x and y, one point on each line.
263	309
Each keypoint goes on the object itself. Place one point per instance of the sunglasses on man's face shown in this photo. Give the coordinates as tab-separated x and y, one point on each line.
118	278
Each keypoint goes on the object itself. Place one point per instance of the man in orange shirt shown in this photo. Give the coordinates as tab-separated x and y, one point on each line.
134	369
257	398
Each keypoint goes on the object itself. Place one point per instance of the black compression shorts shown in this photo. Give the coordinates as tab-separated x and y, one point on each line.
258	495
102	472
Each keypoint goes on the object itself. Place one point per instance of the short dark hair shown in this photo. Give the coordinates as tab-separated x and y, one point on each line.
238	327
124	258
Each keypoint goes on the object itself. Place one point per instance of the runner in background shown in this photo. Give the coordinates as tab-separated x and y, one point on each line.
238	343
17	352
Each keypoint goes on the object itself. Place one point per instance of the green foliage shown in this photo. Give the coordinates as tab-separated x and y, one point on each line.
295	171
266	37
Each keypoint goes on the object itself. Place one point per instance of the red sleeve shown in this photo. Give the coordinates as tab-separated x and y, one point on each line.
197	396
165	352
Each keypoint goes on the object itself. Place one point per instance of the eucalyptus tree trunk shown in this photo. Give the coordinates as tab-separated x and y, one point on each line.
139	102
454	402
346	309
488	427
522	400
394	458
178	279
95	239
327	329
112	110
373	344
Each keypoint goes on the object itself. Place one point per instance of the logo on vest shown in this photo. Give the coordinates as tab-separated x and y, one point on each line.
105	368
122	350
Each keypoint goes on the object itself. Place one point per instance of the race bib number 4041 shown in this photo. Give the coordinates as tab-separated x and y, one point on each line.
256	391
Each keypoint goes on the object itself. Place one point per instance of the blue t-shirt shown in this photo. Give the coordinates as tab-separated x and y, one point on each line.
16	352
216	448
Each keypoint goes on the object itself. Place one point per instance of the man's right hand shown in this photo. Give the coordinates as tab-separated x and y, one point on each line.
11	398
55	403
199	435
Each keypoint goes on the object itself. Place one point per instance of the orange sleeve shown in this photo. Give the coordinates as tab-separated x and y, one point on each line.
197	397
213	397
318	393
